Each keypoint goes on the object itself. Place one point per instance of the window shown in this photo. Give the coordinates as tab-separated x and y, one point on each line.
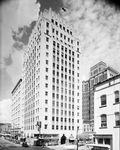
57	111
46	109
103	100
53	118
103	120
53	111
65	119
47	39
56	127
45	126
52	21
46	85
46	101
47	32
56	32
47	24
60	26
46	61
47	54
46	69
46	77
46	93
53	103
52	126
65	127
47	46
116	96
56	23
56	118
46	117
117	119
53	95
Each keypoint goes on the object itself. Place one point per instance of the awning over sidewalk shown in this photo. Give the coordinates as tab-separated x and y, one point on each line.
83	136
71	137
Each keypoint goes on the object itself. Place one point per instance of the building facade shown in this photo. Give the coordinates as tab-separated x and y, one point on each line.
52	78
98	73
5	128
107	112
17	109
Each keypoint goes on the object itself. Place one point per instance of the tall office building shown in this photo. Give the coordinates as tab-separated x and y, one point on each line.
98	73
52	78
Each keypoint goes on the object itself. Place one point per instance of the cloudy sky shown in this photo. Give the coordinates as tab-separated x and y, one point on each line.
96	22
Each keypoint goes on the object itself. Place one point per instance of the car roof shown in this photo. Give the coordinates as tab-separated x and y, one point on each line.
99	145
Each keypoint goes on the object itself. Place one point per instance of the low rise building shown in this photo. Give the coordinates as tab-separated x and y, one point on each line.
107	112
5	128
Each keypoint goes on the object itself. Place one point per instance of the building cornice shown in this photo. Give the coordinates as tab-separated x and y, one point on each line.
16	85
107	80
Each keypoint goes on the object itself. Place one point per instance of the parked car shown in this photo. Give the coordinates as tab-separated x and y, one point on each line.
24	144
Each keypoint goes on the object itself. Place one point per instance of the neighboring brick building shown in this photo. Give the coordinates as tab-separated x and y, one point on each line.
98	73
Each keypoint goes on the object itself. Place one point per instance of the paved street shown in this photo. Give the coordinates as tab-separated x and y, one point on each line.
45	148
7	145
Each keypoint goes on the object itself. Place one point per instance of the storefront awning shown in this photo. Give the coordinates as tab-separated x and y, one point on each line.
105	136
83	136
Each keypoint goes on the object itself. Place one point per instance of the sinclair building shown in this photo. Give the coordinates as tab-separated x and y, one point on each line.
52	78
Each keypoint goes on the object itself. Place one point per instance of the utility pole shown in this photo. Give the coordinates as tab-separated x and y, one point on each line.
77	139
39	127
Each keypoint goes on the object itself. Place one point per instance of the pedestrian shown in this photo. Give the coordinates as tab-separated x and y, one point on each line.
63	139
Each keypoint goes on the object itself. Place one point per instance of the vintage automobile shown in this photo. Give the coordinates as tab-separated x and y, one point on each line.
99	147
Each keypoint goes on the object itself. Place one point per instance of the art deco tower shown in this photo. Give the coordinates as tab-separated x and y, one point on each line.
52	78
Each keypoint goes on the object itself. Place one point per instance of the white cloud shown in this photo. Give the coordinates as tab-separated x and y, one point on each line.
5	111
15	14
97	28
84	78
15	70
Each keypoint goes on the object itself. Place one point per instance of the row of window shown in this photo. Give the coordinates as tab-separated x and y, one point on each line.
63	119
62	127
61	35
57	45
53	127
60	25
104	120
104	98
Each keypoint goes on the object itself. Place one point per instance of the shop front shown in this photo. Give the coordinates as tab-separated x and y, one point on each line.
46	139
104	139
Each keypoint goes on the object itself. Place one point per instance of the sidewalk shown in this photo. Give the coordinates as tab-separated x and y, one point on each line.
63	147
68	147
